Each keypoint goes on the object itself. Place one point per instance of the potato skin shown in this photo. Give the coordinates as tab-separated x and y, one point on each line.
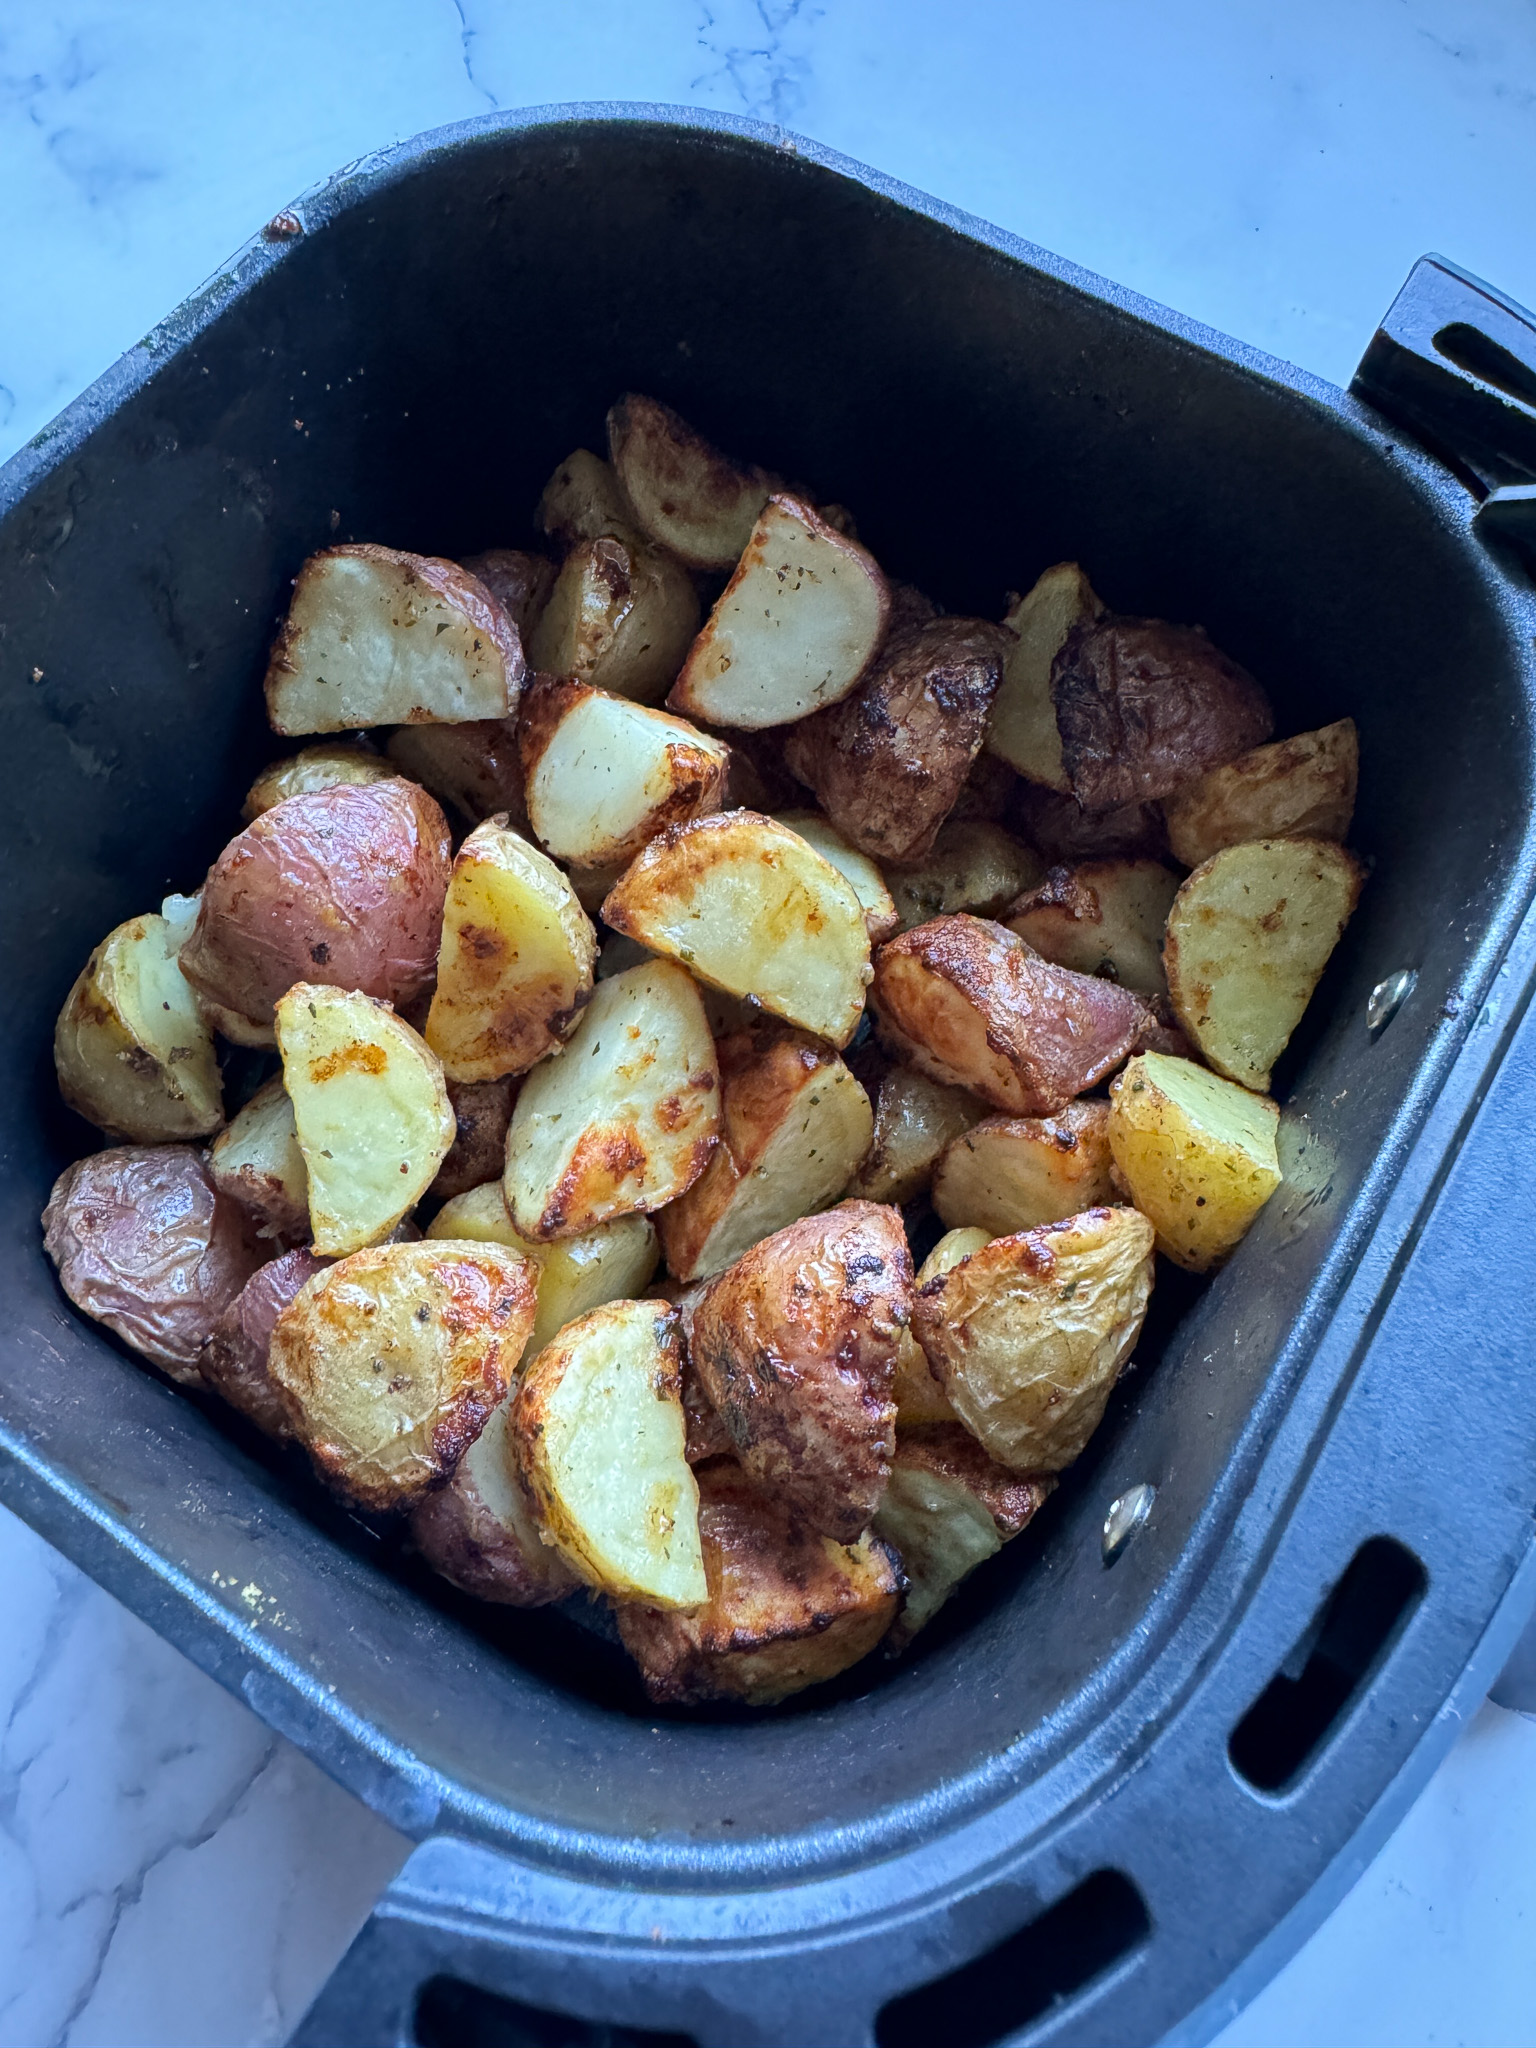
311	768
1301	788
915	1118
234	1360
474	768
1015	1173
482	1111
796	1347
1065	833
343	886
520	583
145	1243
480	1533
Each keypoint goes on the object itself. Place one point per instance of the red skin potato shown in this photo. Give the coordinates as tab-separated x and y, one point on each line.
234	1360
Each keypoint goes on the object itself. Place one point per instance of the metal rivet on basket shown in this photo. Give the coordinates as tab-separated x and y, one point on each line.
1388	997
1126	1515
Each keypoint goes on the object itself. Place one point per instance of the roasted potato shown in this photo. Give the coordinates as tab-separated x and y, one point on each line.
796	1347
372	1113
621	616
856	869
796	1124
626	1118
391	1362
480	1531
515	967
475	769
312	768
708	1436
948	1508
257	1162
343	886
915	1118
685	493
1105	917
1196	1153
1143	707
786	1608
584	500
1022	727
1249	935
482	1111
794	629
145	1243
234	1360
598	1426
132	1050
1014	1173
519	582
919	1397
974	866
889	761
1302	788
1065	833
987	794
604	776
965	1001
754	910
377	637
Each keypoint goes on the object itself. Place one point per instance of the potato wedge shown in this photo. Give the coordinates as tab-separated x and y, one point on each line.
626	1118
915	1118
372	1113
796	1124
786	1608
796	1347
1301	788
948	1508
257	1162
1021	729
856	869
1249	935
514	970
474	769
754	910
1028	1335
597	1421
1196	1153
584	500
794	630
965	1001
133	1052
482	1111
1014	1173
974	866
604	776
621	616
520	583
377	637
919	1397
1105	917
312	768
480	1532
392	1361
685	493
1065	833
234	1360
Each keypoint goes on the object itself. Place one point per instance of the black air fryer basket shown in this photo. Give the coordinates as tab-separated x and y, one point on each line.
1098	1804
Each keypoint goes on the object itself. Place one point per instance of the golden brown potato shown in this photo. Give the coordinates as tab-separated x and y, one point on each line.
626	1118
257	1162
965	1001
786	1608
621	616
1105	917
145	1243
598	1426
391	1362
1197	1155
685	493
344	887
1144	707
856	869
1065	833
919	1397
312	768
1302	788
796	1123
794	629
475	768
1028	1335
915	1118
948	1508
482	1111
1022	728
1014	1173
604	776
234	1360
889	761
519	582
974	866
1248	938
514	971
749	907
377	637
584	500
796	1347
480	1530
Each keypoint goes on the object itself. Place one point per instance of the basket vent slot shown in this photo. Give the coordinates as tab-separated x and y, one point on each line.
1060	1953
1344	1647
1482	357
452	2014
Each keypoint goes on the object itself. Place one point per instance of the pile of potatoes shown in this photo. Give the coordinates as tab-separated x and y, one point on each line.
572	1221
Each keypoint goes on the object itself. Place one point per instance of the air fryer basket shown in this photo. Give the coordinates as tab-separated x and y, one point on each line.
1096	1793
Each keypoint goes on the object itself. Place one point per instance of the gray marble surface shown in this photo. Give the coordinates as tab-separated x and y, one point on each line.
170	1872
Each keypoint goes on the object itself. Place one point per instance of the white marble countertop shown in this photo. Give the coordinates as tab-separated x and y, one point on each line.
170	1872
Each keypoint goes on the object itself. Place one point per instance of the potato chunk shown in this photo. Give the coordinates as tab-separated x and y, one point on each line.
480	1530
598	1425
1065	833
372	1113
1028	1335
621	616
685	493
1197	1154
1013	1173
752	909
974	866
626	1118
520	583
475	769
604	776
234	1361
482	1110
919	1397
965	1001
377	637
794	629
312	768
514	970
796	1347
1249	935
1105	917
584	500
1022	727
856	869
132	1051
1302	788
391	1362
786	1608
257	1162
796	1124
915	1118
